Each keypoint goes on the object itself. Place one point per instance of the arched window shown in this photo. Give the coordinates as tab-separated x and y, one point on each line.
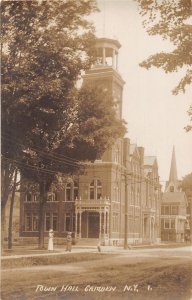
95	189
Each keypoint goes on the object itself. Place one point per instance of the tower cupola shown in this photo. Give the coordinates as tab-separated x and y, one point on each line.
104	73
107	53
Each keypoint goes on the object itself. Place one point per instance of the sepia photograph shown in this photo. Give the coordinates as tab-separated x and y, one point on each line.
96	149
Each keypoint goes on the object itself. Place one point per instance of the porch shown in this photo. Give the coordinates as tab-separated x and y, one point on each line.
92	219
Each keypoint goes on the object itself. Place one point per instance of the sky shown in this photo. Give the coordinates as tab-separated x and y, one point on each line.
156	118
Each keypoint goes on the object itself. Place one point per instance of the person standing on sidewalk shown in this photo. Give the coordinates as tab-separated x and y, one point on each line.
50	242
69	242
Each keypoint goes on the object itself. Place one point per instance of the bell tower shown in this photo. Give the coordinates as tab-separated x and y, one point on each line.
105	71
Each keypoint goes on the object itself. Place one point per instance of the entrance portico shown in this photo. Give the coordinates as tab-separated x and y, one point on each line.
149	234
92	219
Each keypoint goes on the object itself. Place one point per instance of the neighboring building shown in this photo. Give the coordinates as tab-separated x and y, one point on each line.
95	205
173	208
152	200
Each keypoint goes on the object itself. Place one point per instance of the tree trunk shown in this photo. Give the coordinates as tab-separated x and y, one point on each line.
7	175
2	227
11	211
42	206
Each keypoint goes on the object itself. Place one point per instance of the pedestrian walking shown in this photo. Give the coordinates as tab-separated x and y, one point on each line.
99	246
69	241
50	242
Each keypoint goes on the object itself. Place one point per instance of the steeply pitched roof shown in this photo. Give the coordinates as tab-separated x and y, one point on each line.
173	181
173	169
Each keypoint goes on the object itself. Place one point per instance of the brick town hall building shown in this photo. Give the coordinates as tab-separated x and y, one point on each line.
118	197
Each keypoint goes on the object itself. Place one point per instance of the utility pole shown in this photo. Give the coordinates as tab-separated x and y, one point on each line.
126	211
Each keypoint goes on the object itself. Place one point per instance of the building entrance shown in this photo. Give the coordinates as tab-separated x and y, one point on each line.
93	225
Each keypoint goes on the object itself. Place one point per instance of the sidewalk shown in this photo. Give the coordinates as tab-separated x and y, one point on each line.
33	251
28	252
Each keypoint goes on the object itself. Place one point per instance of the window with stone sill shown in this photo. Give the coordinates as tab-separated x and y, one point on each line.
31	197
51	221
31	221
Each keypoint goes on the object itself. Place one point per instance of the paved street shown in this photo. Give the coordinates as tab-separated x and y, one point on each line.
156	273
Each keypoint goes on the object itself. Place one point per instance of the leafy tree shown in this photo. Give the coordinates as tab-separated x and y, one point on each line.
187	182
45	45
186	186
170	19
45	131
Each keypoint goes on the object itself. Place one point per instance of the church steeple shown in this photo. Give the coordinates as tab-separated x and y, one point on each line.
173	169
172	184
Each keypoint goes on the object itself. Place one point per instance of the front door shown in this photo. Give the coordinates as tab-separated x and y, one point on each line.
93	225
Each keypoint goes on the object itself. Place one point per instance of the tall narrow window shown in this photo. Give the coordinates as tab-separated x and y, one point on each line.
28	197
35	222
92	191
99	189
73	222
47	221
67	222
95	189
35	197
138	196
28	222
115	222
71	191
68	192
76	190
116	155
55	221
166	224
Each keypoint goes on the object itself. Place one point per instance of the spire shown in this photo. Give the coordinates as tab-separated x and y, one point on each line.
173	169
